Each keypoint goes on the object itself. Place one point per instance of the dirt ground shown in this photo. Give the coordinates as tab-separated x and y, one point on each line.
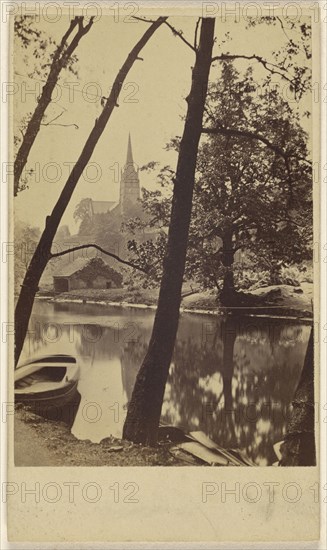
41	442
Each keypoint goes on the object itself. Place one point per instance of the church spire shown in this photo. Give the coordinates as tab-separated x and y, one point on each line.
129	182
129	158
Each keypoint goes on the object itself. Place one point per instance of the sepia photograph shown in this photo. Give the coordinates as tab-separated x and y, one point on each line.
164	239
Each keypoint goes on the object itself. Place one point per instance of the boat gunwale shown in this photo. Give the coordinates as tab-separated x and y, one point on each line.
55	394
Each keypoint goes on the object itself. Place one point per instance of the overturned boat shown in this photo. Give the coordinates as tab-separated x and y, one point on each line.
47	382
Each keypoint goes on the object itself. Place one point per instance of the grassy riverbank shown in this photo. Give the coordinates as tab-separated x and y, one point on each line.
288	300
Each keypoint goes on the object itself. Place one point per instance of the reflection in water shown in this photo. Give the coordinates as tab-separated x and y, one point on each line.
101	388
232	378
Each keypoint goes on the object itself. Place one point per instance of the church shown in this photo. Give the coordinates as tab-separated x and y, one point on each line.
129	191
71	273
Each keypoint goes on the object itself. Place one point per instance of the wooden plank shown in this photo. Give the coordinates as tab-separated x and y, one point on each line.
202	438
208	456
185	457
242	457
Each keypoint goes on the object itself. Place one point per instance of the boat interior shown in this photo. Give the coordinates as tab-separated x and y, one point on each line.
45	375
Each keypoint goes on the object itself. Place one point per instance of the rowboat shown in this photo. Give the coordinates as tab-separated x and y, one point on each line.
49	381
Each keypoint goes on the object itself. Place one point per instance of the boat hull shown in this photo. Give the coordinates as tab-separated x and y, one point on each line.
57	398
48	382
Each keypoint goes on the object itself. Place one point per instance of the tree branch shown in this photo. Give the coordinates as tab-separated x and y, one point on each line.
247	134
62	125
273	68
283	28
97	247
180	35
253	135
74	43
173	30
231	57
52	120
64	39
196	33
53	123
59	61
190	292
144	19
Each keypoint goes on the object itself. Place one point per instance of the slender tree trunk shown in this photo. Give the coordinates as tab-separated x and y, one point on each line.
144	410
42	253
59	62
227	296
298	448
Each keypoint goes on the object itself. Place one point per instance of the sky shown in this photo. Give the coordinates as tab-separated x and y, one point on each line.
151	105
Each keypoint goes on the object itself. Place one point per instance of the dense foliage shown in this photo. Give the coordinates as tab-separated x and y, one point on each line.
252	195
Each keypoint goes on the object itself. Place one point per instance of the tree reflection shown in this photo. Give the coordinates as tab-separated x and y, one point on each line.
237	385
232	377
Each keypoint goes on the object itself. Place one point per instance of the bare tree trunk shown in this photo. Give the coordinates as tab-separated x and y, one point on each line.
42	253
144	410
59	62
298	448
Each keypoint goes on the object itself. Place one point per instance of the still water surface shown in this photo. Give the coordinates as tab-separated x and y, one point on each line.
232	378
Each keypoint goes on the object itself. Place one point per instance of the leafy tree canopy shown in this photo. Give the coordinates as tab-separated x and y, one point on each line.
253	184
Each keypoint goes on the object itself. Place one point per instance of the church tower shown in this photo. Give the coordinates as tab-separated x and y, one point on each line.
129	183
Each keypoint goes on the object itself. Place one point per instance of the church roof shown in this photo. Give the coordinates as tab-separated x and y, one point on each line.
102	207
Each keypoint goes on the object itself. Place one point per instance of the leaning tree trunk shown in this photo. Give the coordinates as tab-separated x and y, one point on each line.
144	410
60	59
298	448
42	253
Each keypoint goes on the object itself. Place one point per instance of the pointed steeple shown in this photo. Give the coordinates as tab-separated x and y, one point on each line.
129	158
129	182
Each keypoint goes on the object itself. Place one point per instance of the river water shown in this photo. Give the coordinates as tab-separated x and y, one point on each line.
232	378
